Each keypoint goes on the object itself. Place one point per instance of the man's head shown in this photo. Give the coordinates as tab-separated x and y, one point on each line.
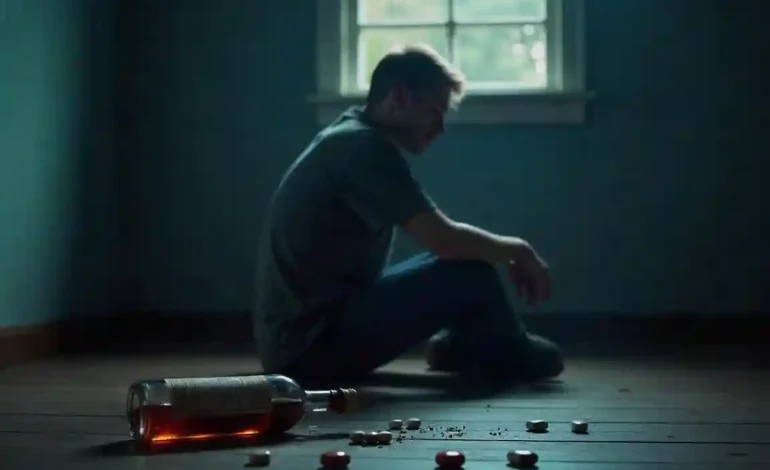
411	90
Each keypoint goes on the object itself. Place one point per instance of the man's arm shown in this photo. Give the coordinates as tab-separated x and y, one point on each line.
449	239
378	185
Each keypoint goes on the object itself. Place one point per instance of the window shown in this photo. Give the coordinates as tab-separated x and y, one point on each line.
522	58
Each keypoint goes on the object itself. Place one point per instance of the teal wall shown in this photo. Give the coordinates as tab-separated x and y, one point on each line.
58	223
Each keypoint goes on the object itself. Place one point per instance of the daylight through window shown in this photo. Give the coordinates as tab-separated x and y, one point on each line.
498	44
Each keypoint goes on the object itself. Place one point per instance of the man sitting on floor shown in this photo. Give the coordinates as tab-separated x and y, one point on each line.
328	306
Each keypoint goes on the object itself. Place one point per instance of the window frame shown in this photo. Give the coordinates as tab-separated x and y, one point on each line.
564	102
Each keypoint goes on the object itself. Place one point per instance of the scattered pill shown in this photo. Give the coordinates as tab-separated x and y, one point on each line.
413	423
335	459
579	427
450	459
260	458
357	437
384	437
371	438
395	424
522	458
537	425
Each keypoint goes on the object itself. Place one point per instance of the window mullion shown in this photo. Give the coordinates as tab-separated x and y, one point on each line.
553	43
350	35
451	29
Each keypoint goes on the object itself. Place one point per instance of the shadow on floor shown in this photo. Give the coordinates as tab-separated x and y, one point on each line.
384	386
128	448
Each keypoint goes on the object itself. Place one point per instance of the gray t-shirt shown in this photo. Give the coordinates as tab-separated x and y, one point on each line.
328	232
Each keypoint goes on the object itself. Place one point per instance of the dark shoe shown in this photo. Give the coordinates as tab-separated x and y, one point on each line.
533	358
542	358
439	353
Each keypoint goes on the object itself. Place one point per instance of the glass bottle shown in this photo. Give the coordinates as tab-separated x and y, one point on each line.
172	410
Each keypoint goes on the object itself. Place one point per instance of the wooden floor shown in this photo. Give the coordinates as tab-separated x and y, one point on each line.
644	414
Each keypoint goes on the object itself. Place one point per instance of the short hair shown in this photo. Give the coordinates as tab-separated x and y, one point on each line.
418	68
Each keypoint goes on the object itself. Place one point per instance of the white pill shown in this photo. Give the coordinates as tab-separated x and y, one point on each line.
384	437
395	424
413	423
357	437
522	458
371	438
260	458
579	427
537	425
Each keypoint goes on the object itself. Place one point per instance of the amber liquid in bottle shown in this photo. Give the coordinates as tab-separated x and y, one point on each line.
158	421
164	426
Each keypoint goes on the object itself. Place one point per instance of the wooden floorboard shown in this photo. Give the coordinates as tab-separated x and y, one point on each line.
66	413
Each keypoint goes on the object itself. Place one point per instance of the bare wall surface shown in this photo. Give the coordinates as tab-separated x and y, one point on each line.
57	181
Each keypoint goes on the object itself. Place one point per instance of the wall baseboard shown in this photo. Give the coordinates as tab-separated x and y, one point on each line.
27	343
231	331
579	333
19	344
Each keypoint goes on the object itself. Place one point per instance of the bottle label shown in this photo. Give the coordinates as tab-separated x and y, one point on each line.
220	395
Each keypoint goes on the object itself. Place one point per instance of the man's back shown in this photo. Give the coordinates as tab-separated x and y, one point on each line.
328	232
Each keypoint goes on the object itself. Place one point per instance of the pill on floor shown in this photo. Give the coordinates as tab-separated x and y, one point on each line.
522	458
450	459
537	425
579	427
260	458
335	459
371	438
384	437
395	424
413	423
357	437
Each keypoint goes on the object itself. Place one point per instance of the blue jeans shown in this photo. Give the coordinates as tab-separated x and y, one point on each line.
413	301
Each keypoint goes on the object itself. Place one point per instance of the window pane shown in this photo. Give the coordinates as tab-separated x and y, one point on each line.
374	43
403	11
502	56
499	11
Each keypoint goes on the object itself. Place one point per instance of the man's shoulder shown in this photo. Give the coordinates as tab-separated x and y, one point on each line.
352	133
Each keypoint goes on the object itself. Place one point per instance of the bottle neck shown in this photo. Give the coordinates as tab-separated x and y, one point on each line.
319	401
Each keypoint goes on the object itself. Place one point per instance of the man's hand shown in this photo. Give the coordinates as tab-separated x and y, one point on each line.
532	279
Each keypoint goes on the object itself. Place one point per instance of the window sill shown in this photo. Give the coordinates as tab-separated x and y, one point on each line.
549	108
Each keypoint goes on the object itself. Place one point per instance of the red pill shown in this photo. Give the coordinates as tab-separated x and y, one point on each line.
335	459
450	459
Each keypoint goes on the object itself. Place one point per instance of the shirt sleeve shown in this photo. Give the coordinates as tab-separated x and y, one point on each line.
378	185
